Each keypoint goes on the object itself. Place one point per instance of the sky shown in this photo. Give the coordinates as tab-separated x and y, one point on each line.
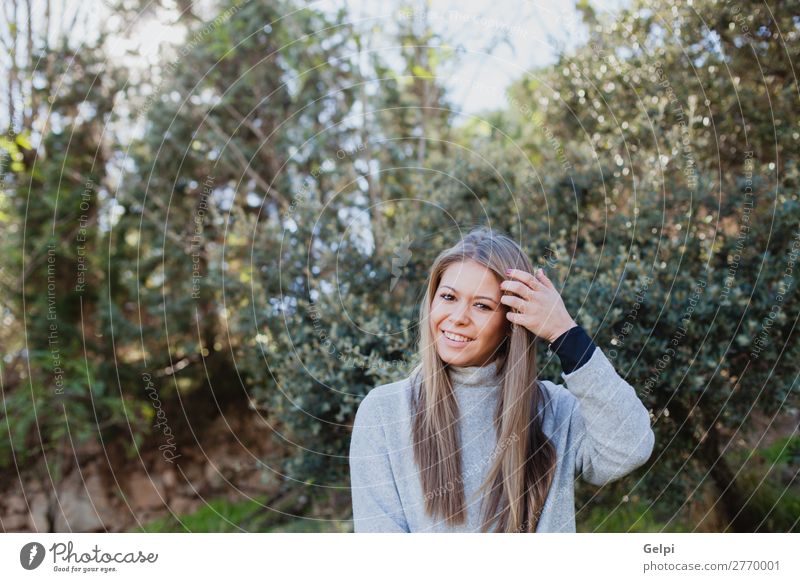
533	29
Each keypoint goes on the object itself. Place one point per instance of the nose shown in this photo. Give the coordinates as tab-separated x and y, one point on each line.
459	314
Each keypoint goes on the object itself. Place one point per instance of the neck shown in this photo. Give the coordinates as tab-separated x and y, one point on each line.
475	376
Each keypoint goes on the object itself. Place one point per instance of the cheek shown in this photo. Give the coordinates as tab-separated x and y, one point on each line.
495	325
437	311
435	316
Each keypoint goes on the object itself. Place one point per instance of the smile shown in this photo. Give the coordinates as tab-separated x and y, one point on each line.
457	338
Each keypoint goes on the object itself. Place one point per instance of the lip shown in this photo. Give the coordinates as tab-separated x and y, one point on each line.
455	343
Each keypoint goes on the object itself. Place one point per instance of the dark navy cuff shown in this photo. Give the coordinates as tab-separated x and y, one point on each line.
574	348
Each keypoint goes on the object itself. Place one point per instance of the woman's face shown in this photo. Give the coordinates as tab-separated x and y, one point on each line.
467	308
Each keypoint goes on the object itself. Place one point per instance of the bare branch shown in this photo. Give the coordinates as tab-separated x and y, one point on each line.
13	71
27	118
47	26
246	166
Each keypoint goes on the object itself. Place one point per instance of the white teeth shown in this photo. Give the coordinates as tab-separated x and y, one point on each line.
455	337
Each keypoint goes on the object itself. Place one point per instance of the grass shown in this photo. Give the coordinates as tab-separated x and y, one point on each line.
628	517
219	515
225	516
770	478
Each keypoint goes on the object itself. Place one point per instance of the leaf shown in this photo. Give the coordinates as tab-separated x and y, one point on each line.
421	72
24	142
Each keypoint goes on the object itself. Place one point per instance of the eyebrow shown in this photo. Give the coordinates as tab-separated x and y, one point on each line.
475	297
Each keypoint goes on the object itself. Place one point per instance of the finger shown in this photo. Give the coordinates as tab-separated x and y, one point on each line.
523	276
513	302
542	276
517	287
514	317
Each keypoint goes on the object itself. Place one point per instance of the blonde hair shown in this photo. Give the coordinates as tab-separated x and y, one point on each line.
523	463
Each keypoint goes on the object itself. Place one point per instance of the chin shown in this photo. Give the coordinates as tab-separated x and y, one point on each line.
450	355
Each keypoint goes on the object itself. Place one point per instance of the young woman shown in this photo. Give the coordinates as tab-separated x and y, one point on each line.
472	440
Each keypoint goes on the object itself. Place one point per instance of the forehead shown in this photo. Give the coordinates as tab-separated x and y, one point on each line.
470	277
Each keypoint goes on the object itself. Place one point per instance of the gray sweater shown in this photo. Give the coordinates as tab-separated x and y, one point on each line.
598	425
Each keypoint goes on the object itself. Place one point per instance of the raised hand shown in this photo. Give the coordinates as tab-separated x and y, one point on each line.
536	304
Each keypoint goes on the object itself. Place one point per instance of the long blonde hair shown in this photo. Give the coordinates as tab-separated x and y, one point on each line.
521	474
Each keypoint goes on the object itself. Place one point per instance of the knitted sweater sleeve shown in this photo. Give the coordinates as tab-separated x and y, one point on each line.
376	501
609	426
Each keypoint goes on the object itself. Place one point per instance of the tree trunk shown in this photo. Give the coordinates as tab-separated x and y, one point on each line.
733	500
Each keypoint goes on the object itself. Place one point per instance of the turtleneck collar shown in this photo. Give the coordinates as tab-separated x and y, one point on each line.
475	376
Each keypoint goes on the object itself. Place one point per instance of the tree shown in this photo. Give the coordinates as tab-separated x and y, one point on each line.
680	207
57	383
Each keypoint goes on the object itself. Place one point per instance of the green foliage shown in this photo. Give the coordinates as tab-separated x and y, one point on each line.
768	475
676	238
625	517
60	390
248	515
218	515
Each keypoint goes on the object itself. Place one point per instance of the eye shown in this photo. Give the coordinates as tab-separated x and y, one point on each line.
483	306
